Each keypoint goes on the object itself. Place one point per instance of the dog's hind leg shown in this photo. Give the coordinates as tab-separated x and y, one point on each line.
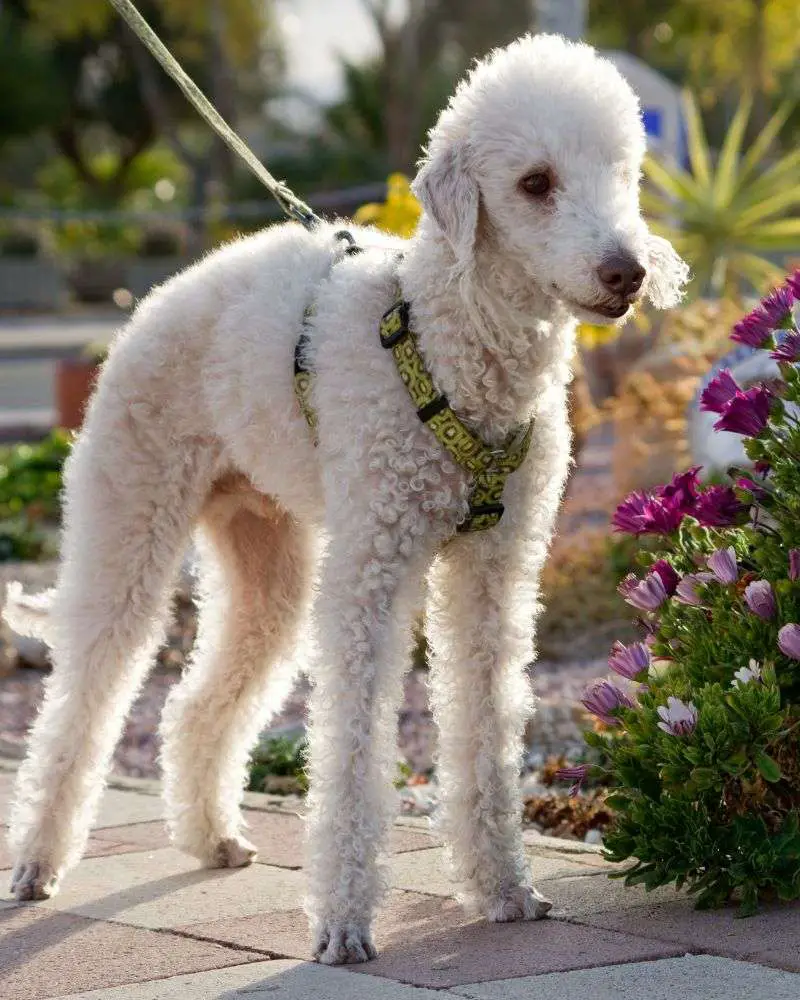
132	494
257	569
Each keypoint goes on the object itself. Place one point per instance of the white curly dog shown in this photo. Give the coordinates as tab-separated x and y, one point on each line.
530	194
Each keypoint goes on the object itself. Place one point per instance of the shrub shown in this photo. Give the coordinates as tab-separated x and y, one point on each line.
279	757
30	488
701	737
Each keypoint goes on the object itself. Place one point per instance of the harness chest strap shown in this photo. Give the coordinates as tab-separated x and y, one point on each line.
489	467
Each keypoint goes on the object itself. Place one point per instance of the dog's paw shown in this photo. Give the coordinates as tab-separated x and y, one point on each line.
234	852
343	944
520	903
33	880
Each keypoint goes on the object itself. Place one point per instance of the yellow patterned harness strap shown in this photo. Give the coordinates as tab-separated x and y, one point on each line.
490	467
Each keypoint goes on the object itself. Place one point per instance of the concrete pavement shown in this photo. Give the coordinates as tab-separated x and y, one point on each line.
137	920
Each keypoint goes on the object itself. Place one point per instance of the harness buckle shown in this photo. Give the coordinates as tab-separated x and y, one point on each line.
394	324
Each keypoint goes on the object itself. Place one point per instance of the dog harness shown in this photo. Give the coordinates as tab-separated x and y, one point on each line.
489	467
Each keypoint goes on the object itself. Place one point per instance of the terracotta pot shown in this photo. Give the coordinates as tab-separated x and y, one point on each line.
74	384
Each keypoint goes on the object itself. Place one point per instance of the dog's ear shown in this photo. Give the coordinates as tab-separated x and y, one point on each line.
449	195
667	273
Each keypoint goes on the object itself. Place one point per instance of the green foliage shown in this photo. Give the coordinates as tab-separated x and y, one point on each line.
30	488
279	757
705	767
725	216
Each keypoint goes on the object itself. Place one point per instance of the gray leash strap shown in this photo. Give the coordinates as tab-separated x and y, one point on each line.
289	202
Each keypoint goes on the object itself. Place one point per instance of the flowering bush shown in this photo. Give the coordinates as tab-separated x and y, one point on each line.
699	732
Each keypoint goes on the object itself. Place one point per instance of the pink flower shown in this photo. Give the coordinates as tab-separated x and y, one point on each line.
719	507
602	698
646	595
745	413
668	575
794	564
678	718
760	598
719	391
788	348
722	563
629	661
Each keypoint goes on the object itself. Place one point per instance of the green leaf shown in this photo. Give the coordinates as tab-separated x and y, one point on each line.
725	180
699	155
768	768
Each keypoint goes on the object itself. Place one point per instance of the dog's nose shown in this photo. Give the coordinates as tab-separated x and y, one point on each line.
621	274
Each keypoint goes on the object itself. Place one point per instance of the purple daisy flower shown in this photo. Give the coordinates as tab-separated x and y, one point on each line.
789	640
602	698
577	774
629	661
794	564
686	591
678	718
663	515
760	598
793	282
683	489
752	487
719	391
753	330
777	306
645	595
722	563
788	349
719	507
745	413
629	515
668	575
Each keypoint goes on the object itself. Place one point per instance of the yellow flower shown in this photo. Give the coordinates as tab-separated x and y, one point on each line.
399	214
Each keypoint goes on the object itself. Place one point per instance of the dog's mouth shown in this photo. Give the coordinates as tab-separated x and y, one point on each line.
607	308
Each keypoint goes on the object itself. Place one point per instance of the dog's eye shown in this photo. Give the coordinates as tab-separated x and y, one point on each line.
537	184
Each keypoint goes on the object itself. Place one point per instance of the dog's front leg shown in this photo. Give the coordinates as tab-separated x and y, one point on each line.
479	625
370	579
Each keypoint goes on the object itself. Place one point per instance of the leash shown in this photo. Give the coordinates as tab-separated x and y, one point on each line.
289	202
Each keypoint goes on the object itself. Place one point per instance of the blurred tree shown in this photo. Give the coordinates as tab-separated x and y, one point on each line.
26	73
393	101
108	94
719	49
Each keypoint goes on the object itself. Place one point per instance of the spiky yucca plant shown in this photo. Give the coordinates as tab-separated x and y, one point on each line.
725	215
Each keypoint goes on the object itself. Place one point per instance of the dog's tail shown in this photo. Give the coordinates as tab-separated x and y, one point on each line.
28	614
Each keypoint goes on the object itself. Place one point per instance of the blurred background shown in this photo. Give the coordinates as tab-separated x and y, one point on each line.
110	183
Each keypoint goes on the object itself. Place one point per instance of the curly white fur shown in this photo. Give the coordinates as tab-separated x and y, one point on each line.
195	424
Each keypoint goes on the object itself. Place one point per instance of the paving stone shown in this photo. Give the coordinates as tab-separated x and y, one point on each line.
96	847
770	937
698	977
589	893
427	871
429	941
277	980
46	954
162	888
278	837
117	806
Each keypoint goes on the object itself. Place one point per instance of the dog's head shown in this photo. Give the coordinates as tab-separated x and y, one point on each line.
541	148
